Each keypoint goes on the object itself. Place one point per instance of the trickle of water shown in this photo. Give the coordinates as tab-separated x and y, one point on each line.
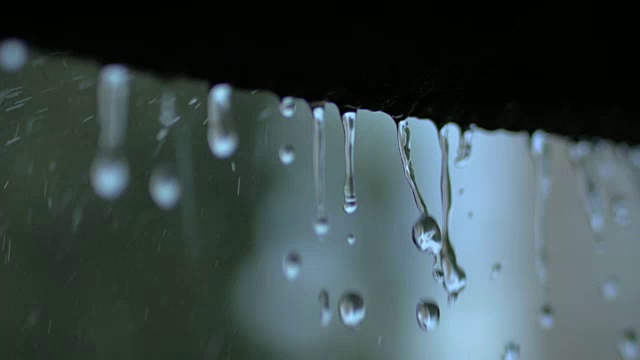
428	314
321	224
221	135
113	103
455	279
609	288
541	154
496	269
425	232
511	352
351	309
546	318
620	210
349	126
351	239
288	106
109	176
164	187
13	55
325	309
291	265
463	155
287	154
628	345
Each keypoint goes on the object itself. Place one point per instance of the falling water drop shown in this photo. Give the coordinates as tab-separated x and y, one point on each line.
609	288
113	102
463	155
13	55
428	314
221	135
164	187
546	318
496	269
351	239
351	309
288	106
291	265
628	345
321	223
287	154
426	235
541	154
109	176
349	126
455	279
511	352
325	309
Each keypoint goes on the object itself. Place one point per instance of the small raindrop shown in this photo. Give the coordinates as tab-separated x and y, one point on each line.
628	345
609	289
321	226
496	269
287	154
164	187
511	352
109	176
288	107
428	314
351	239
325	309
426	235
351	309
291	265
546	318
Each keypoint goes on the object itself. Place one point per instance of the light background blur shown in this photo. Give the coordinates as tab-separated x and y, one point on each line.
205	280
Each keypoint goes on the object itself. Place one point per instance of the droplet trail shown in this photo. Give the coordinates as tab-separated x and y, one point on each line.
325	308
221	135
113	103
321	224
349	126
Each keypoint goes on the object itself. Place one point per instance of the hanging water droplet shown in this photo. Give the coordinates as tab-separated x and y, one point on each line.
291	265
546	318
496	269
351	239
428	314
164	187
288	106
113	101
609	288
321	226
511	352
325	309
351	309
621	212
109	176
426	235
349	127
287	154
221	135
463	156
13	55
628	345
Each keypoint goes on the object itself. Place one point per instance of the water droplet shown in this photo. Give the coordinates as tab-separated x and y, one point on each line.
288	106
349	127
162	134
321	226
546	318
168	113
164	187
628	345
13	55
511	352
113	102
426	235
351	239
496	269
428	314
609	288
463	156
460	191
109	176
291	265
351	309
287	154
221	135
621	211
325	309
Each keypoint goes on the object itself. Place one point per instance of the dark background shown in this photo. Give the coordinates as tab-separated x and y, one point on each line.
569	70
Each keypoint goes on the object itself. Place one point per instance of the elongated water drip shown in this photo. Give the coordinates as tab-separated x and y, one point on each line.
321	223
463	155
113	103
349	125
325	308
168	114
425	232
454	277
540	153
221	134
